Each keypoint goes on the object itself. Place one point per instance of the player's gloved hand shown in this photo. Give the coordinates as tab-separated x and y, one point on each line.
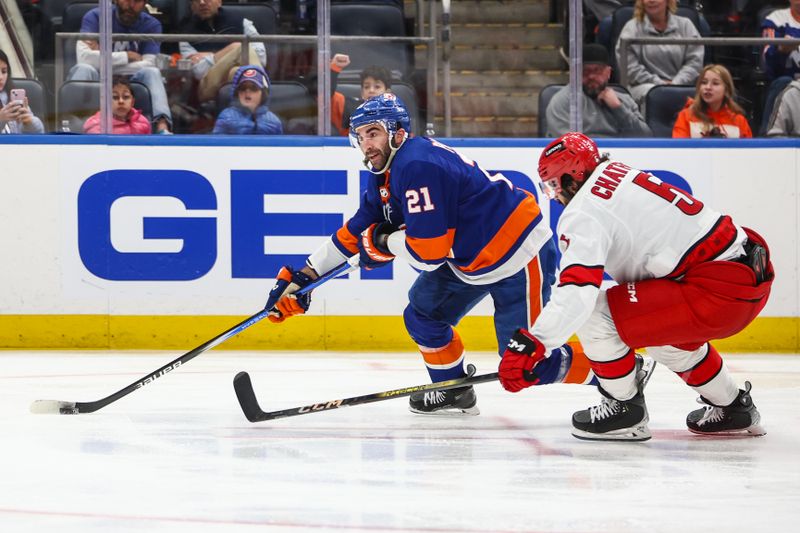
282	303
373	246
523	353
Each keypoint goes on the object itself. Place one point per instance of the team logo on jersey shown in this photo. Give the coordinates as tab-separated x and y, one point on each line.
384	192
563	243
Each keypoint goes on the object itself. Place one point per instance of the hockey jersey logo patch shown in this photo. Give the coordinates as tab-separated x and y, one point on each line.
563	243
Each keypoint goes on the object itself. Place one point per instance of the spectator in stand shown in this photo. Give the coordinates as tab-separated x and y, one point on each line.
713	112
606	113
785	119
375	80
133	58
213	63
659	64
15	115
125	118
248	113
780	62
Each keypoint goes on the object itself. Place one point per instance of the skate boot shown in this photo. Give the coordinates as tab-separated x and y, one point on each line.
458	401
615	419
739	418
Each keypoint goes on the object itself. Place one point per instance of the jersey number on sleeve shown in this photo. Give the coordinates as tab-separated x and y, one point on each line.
674	195
414	198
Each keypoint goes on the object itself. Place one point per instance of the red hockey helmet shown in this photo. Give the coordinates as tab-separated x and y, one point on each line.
573	154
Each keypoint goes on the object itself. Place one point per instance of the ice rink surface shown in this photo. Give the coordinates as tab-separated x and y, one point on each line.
178	455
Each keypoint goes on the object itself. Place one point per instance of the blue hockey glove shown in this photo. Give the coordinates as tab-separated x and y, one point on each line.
282	303
372	246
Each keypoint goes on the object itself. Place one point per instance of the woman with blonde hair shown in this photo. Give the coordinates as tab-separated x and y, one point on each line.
713	112
659	64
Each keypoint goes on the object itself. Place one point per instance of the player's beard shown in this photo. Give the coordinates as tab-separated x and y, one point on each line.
127	17
593	91
381	162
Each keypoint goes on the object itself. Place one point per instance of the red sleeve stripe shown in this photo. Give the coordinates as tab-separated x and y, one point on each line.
704	371
615	369
581	275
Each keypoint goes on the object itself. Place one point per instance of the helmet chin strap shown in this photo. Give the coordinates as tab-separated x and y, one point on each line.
392	151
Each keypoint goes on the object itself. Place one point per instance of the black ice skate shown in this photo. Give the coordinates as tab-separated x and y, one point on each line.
739	418
458	401
615	419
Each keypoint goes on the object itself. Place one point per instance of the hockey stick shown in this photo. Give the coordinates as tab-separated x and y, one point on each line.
247	397
74	408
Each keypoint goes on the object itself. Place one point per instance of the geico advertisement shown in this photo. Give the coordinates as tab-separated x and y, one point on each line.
203	230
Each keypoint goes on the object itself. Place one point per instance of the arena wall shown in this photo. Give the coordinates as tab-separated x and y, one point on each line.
153	243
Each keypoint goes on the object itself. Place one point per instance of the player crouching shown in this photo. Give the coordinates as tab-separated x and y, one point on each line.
685	274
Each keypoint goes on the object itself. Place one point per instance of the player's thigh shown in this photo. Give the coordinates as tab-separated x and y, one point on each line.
439	295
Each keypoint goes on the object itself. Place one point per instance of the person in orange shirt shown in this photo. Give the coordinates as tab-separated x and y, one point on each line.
713	112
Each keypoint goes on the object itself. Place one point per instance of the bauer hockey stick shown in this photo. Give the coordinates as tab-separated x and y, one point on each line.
247	397
74	408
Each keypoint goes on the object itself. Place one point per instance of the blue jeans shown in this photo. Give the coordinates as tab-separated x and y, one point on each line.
150	77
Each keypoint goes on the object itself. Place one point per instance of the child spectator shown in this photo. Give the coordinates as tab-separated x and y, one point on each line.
248	112
713	112
15	116
375	80
125	118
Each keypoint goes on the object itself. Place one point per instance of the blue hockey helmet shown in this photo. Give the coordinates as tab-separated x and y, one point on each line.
386	109
390	113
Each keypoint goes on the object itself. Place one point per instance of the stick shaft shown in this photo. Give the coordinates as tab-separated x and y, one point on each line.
243	386
90	407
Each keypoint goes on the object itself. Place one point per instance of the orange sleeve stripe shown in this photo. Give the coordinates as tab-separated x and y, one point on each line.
525	213
434	248
444	356
347	239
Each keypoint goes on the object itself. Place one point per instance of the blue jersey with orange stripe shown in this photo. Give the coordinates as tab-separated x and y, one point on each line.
453	211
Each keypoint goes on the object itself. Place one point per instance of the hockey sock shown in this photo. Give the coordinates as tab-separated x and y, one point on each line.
446	362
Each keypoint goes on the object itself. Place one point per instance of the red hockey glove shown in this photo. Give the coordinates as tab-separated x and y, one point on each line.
523	353
372	246
282	302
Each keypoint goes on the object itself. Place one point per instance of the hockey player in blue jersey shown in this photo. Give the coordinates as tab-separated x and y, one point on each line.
471	233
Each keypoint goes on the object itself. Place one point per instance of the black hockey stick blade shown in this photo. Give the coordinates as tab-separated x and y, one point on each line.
58	407
243	386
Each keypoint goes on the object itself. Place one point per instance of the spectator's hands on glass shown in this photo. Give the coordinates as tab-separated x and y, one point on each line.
609	97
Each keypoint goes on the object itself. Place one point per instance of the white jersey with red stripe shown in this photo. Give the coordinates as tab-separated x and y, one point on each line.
633	226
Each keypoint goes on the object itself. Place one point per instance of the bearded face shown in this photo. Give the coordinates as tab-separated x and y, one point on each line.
595	79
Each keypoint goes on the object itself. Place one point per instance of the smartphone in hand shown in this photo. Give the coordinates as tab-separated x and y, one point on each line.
17	95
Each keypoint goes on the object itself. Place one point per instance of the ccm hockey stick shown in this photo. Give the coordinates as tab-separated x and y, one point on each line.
247	397
75	408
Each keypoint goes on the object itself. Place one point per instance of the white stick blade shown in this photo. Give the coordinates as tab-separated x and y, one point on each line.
50	407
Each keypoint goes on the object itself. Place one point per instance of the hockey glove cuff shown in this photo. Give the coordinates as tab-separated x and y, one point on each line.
523	353
282	303
372	247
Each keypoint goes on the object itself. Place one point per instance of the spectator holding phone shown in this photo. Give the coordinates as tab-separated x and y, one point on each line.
15	115
125	118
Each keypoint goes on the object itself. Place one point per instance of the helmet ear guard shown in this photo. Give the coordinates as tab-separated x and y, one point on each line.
574	155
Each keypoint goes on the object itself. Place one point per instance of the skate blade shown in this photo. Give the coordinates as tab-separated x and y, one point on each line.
638	433
756	430
469	411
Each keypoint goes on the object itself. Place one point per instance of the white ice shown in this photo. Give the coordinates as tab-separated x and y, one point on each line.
178	455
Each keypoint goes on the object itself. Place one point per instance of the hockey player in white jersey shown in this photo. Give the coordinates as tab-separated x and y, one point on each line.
685	274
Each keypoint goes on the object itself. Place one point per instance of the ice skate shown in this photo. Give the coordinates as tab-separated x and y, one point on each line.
450	402
614	419
739	418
